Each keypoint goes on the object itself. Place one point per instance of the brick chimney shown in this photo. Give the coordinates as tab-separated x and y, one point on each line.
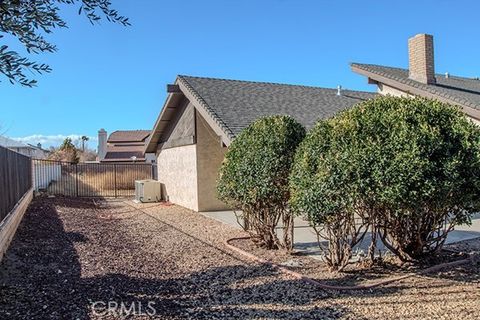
420	59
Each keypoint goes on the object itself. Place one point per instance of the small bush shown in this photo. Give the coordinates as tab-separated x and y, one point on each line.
407	167
254	177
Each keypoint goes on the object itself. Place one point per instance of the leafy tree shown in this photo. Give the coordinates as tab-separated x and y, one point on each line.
66	152
407	167
254	177
67	144
30	20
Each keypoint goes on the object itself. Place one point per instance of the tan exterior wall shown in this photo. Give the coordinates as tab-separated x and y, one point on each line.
210	154
188	173
477	122
177	171
387	90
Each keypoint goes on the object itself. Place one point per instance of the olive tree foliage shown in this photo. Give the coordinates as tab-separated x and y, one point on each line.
408	168
254	178
30	20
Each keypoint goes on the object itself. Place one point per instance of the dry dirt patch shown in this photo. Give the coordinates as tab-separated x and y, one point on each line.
71	253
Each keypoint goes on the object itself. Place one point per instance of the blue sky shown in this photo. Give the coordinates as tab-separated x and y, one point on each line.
114	77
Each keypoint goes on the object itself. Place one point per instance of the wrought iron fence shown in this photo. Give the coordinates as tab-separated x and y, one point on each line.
90	179
15	179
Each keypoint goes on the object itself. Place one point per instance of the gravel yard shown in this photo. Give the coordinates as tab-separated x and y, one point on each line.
75	258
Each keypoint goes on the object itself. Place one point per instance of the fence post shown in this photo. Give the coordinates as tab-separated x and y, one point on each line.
115	178
76	179
34	178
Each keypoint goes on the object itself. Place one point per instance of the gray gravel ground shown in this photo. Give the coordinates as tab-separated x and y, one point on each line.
71	255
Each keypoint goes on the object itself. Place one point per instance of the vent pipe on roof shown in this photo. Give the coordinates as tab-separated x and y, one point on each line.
339	90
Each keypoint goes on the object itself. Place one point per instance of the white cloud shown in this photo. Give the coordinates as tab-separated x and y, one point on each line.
55	140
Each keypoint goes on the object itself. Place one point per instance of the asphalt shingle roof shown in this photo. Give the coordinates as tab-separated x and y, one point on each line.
128	135
236	104
124	153
465	91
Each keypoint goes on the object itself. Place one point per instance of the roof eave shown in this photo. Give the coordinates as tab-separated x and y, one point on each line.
172	99
218	126
470	111
160	123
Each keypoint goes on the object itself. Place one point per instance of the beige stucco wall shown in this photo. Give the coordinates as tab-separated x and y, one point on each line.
177	171
210	154
188	173
387	90
477	122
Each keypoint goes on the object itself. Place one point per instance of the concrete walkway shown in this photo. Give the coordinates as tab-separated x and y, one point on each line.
306	239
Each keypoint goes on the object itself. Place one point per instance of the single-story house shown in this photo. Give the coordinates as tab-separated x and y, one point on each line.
420	79
29	150
124	146
201	117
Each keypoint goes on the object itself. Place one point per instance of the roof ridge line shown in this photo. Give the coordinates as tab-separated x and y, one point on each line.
271	83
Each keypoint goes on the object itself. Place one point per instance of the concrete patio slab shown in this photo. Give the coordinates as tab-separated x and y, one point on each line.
306	239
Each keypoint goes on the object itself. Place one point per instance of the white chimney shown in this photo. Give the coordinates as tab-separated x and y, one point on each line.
421	64
102	144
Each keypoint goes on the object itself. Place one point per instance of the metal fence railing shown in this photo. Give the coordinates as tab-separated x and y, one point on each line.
15	179
89	179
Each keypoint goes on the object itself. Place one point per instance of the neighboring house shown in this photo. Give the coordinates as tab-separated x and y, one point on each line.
201	116
124	146
421	80
29	150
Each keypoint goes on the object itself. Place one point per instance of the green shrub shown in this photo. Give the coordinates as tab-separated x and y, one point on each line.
254	177
322	190
407	167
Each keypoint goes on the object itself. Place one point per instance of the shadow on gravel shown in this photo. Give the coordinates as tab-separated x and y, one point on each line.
40	278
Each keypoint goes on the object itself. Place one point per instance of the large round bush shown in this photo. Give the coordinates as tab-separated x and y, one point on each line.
407	167
254	176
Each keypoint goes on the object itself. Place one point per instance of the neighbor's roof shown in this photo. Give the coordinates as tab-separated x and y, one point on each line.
239	103
11	143
128	136
456	90
38	148
124	153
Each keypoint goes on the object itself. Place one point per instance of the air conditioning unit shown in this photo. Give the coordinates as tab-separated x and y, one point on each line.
147	191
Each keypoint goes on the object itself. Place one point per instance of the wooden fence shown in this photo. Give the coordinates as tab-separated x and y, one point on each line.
15	179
